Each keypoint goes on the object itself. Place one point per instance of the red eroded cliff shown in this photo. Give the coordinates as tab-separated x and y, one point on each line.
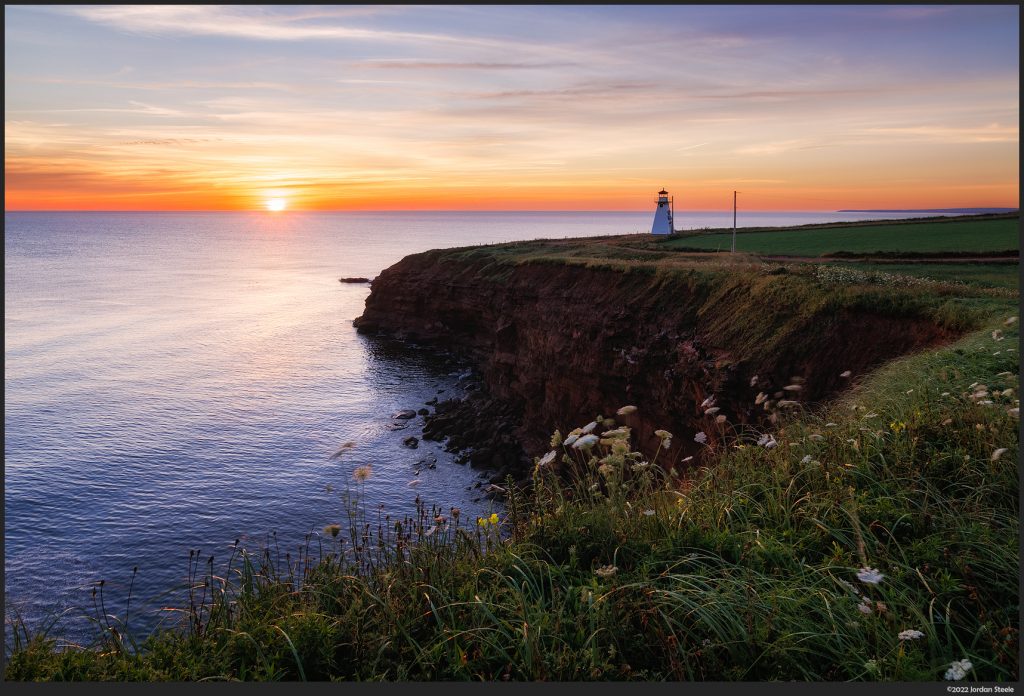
563	342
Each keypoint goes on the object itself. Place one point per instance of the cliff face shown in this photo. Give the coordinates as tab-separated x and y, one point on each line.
562	342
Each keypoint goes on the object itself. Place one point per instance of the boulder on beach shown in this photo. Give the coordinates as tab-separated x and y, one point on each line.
411	442
404	414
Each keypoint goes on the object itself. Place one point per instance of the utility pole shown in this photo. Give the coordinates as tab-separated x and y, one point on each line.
734	221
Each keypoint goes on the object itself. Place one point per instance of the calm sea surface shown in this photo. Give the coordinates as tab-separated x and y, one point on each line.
176	381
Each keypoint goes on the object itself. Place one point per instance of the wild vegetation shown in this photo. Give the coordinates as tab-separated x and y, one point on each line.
874	538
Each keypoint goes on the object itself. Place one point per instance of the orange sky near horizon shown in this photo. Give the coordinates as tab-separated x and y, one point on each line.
513	108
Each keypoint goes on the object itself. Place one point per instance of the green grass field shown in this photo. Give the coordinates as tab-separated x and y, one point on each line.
936	237
985	275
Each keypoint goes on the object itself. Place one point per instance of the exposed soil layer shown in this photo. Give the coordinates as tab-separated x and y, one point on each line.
558	344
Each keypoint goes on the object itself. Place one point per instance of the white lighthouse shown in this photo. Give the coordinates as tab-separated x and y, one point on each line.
662	215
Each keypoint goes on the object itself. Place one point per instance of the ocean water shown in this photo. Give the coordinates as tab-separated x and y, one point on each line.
177	381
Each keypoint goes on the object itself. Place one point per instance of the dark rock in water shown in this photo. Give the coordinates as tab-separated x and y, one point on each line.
411	442
432	402
423	412
404	414
396	426
433	465
353	280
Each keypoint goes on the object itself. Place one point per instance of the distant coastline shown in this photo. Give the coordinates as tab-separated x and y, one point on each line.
966	211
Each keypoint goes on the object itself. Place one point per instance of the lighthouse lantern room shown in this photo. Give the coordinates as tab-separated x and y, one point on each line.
662	215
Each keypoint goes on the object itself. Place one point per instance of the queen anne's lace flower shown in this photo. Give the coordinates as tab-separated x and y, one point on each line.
700	437
586	441
958	669
910	634
870	576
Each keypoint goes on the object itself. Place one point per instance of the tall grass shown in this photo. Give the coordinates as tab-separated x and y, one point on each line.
751	566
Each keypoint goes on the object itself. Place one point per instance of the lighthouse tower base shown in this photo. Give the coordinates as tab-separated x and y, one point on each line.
662	221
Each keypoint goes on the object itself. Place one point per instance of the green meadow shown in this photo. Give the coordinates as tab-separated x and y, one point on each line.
954	236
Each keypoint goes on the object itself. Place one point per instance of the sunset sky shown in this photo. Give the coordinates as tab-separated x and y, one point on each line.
510	107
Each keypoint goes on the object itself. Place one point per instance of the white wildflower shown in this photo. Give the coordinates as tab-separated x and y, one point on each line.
1009	321
700	437
589	427
998	453
570	440
430	531
792	387
617	433
870	576
720	419
547	458
626	410
585	442
871	415
785	403
845	374
606	571
648	513
806	459
831	425
816	437
865	606
708	402
685	459
910	634
958	670
712	411
761	398
1015	412
753	381
997	335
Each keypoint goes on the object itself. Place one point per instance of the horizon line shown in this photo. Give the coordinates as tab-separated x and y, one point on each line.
505	210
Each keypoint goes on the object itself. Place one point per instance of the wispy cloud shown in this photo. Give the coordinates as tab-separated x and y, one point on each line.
779	147
455	65
991	133
247	22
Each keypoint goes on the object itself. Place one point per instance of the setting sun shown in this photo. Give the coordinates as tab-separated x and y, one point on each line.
276	204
